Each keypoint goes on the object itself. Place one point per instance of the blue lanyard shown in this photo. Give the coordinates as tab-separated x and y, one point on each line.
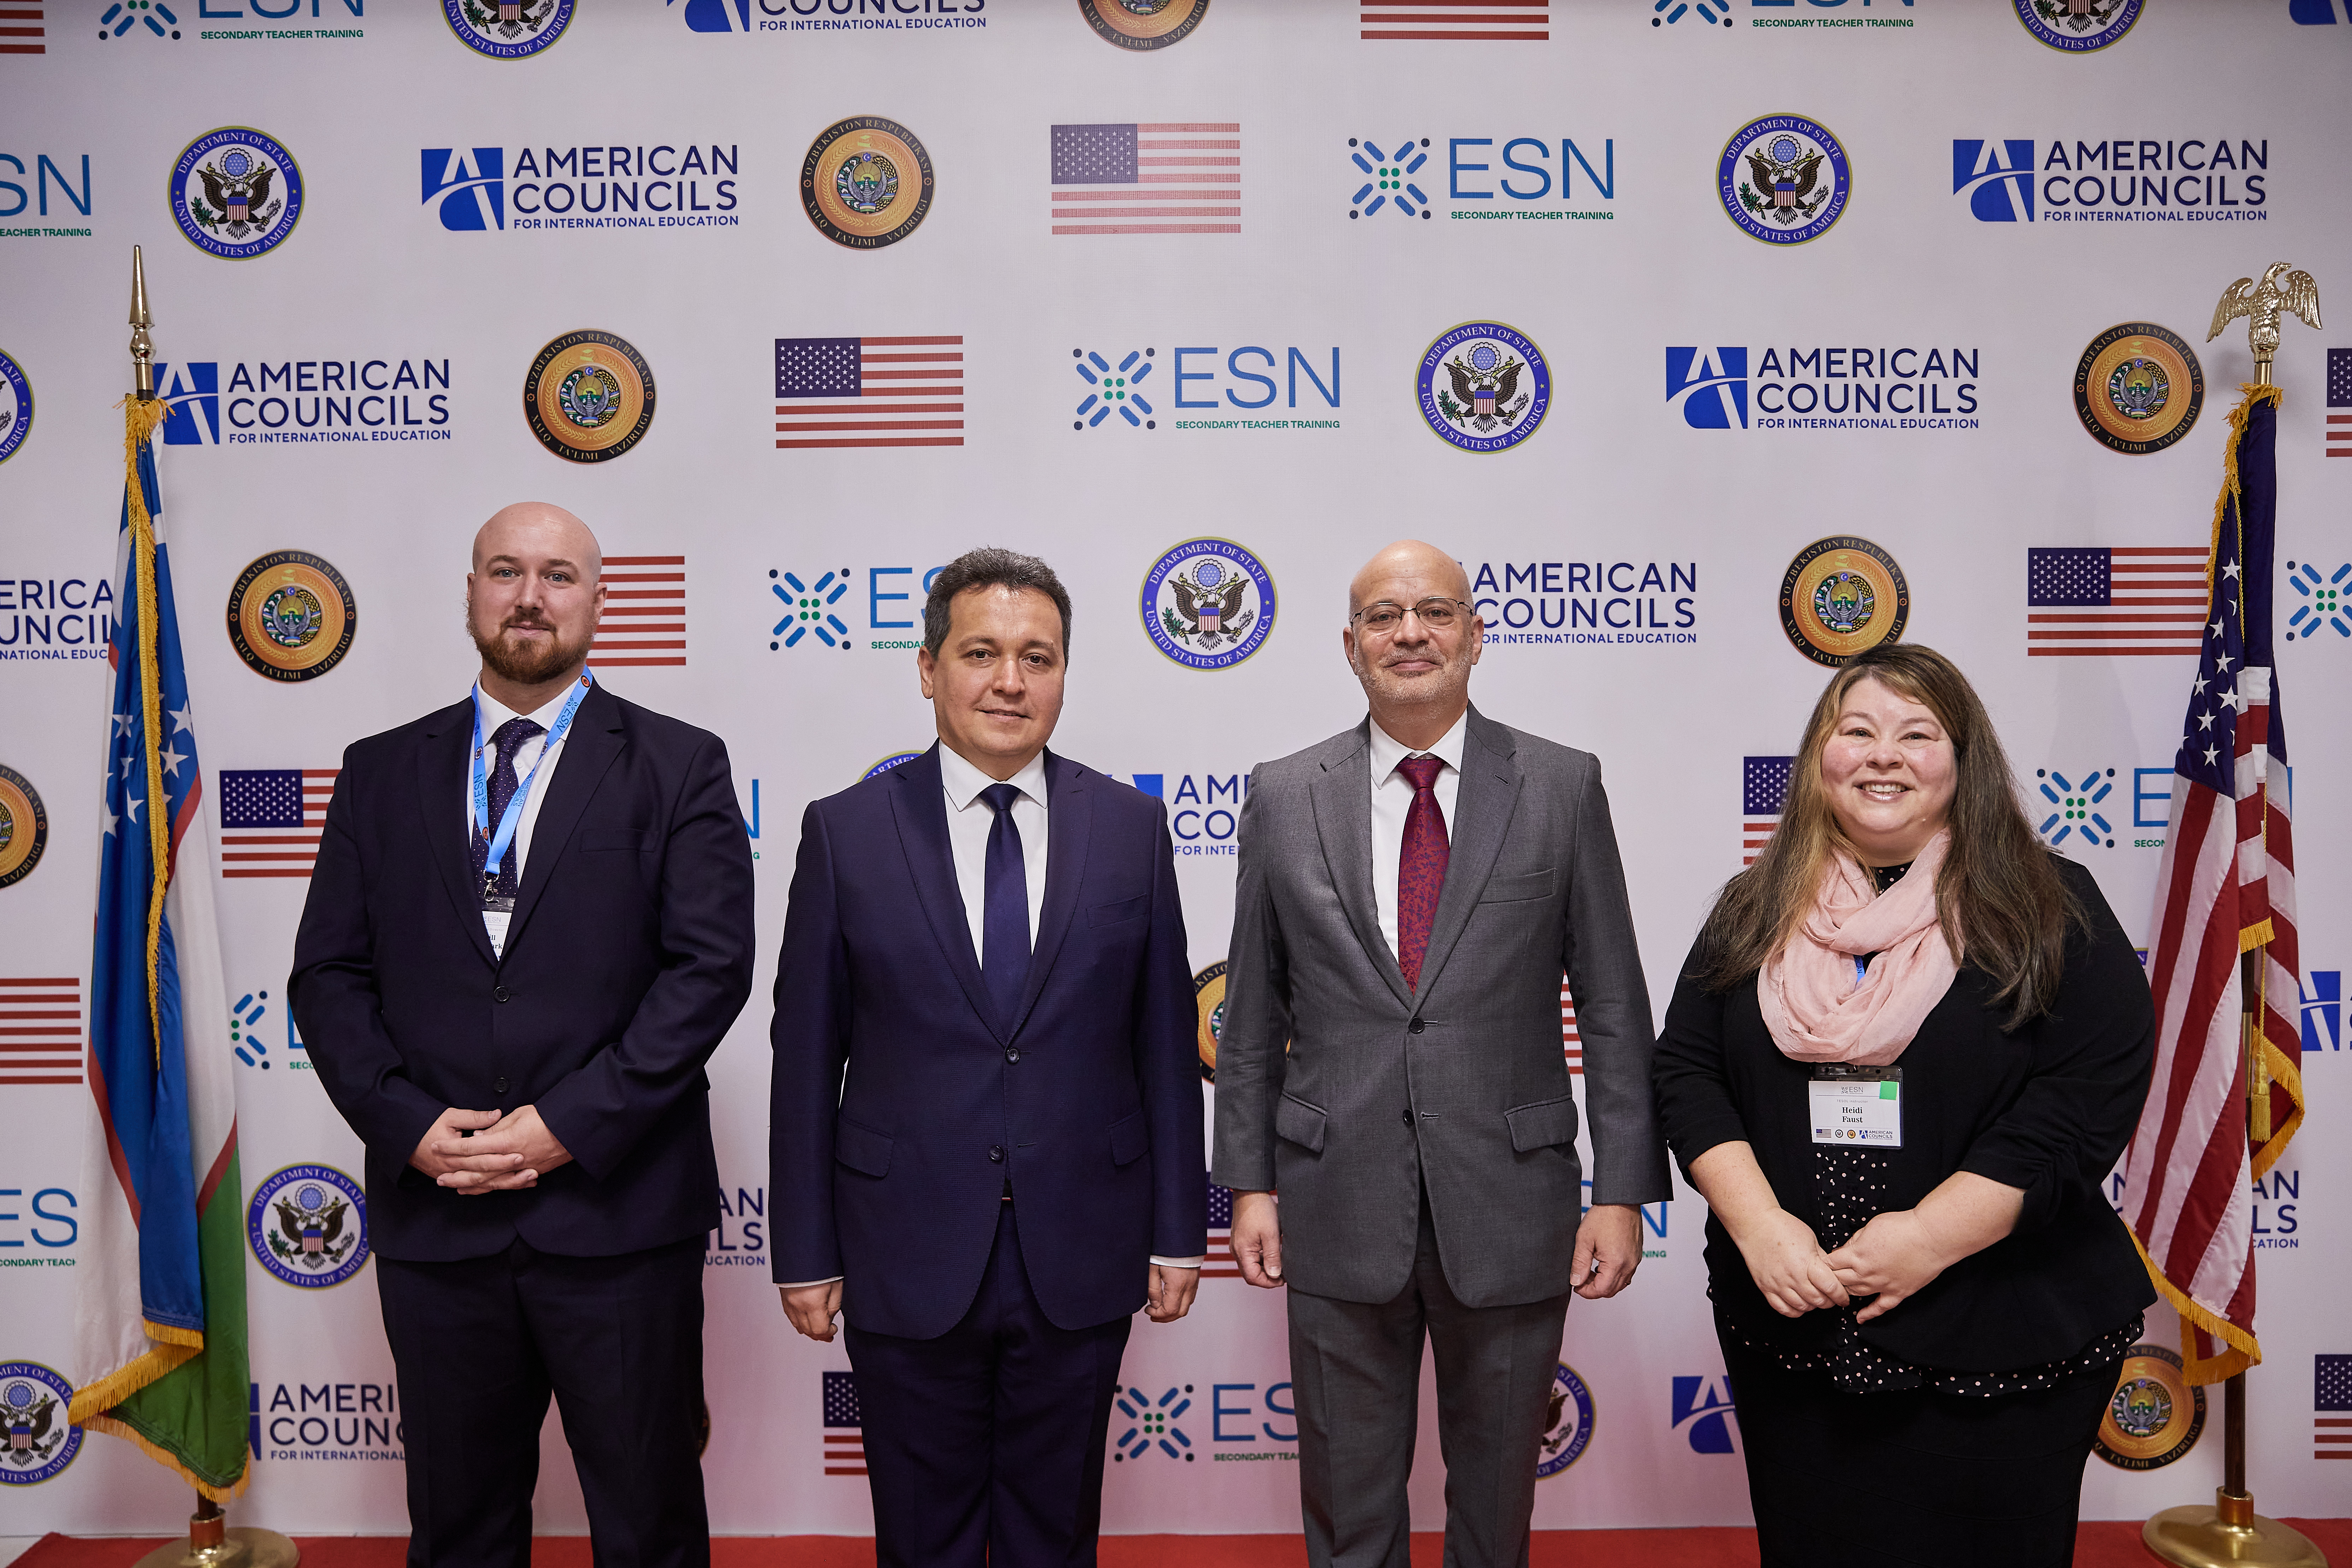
506	824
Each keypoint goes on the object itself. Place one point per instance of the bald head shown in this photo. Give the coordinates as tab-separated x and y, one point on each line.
1415	668
540	530
532	601
1407	573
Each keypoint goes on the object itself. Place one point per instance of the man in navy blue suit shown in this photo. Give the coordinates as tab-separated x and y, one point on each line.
529	928
988	940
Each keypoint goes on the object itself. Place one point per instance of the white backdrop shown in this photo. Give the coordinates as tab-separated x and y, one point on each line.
1614	474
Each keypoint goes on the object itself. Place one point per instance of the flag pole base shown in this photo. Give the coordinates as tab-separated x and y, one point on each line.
2230	1532
210	1544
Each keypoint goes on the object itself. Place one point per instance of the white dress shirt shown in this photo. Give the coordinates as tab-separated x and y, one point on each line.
493	714
1393	799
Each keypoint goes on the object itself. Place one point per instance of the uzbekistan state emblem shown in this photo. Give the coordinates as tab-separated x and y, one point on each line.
2155	1416
24	826
1567	1422
291	615
33	1402
589	397
308	1224
1841	595
1143	24
15	406
507	29
2138	388
866	182
1197	603
236	193
1783	179
1484	386
2077	26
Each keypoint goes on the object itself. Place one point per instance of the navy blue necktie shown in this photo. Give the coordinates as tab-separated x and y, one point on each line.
508	739
1004	919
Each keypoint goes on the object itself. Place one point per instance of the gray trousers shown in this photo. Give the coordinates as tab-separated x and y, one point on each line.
1357	1371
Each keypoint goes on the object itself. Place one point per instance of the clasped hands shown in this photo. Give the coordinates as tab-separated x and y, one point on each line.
1894	1257
505	1153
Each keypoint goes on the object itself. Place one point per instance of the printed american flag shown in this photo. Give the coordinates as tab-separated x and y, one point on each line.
271	818
1572	1044
2331	1406
2226	886
870	392
1176	178
644	611
1513	21
2131	599
40	1030
1219	1264
2339	402
1763	793
845	1431
21	32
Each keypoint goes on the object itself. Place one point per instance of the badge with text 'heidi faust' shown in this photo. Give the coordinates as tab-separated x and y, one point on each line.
2138	388
1842	595
291	617
589	397
1856	1108
2154	1416
866	182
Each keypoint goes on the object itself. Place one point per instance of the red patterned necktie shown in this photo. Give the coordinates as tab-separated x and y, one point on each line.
1420	866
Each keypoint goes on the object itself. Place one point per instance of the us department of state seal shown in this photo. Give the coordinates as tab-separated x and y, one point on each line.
1209	1001
41	1441
589	397
1143	24
2077	26
24	826
1567	1424
2138	388
507	29
1208	604
1784	179
15	406
1483	386
236	193
308	1225
895	759
291	615
1841	595
2155	1416
866	182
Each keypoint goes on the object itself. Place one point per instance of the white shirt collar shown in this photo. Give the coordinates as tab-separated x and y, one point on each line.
1388	750
963	782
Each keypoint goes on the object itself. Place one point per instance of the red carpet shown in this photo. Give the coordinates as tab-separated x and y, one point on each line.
2104	1543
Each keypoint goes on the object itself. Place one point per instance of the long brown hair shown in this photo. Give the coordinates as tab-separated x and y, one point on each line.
1999	898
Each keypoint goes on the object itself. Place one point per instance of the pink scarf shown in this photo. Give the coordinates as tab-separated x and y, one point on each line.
1815	1004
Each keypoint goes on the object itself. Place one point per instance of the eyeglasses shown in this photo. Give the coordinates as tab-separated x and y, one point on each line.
1382	617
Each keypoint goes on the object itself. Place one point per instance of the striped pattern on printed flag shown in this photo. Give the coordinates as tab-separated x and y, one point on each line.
1572	1044
644	611
40	1029
844	1428
21	32
271	819
1507	21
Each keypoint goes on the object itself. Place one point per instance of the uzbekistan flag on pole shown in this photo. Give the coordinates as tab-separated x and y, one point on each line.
2227	887
160	1323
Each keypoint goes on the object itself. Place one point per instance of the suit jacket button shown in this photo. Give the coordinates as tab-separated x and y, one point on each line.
499	995
1416	1027
1408	1116
1013	1052
500	1087
996	1156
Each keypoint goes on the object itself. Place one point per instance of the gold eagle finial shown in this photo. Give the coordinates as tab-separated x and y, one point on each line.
2262	303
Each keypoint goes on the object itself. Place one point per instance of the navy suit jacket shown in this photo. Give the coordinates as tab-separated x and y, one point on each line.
629	955
1089	1103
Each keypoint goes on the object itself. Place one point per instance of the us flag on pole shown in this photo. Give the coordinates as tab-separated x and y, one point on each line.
870	392
271	818
644	611
1219	1264
845	1429
1182	177
1763	793
2130	599
1508	21
2226	888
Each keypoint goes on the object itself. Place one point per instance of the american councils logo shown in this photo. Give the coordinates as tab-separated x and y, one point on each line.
33	1402
589	397
236	193
1841	595
1567	1424
1208	999
2077	26
1484	386
15	406
2155	1416
24	826
291	615
507	29
1208	604
2138	388
1784	179
1143	24
308	1224
866	182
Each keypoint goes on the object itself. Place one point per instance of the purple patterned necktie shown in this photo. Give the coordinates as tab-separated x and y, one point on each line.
1420	866
508	739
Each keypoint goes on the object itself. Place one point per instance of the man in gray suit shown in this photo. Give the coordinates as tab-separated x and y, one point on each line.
1411	893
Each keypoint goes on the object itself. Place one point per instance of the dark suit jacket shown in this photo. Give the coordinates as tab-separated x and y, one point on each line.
1089	1104
628	957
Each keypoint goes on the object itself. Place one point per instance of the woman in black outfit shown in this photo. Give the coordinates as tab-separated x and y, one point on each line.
1923	1309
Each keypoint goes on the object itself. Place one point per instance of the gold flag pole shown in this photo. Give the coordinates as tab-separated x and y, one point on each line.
2231	1532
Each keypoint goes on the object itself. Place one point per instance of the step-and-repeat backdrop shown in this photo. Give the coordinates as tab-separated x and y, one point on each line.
1714	337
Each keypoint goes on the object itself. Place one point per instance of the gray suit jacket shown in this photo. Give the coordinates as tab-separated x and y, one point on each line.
1462	1086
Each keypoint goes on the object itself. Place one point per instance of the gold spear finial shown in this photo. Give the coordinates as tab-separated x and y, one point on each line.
2261	303
142	347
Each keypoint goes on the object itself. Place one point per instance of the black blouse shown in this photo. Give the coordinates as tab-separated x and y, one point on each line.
2047	1108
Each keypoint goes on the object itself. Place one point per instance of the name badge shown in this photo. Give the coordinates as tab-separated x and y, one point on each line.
1857	1107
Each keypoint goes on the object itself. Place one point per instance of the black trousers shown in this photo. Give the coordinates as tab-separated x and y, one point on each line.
480	1344
985	1445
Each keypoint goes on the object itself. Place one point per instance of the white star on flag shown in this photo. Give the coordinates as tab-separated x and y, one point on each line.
185	718
173	760
131	808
